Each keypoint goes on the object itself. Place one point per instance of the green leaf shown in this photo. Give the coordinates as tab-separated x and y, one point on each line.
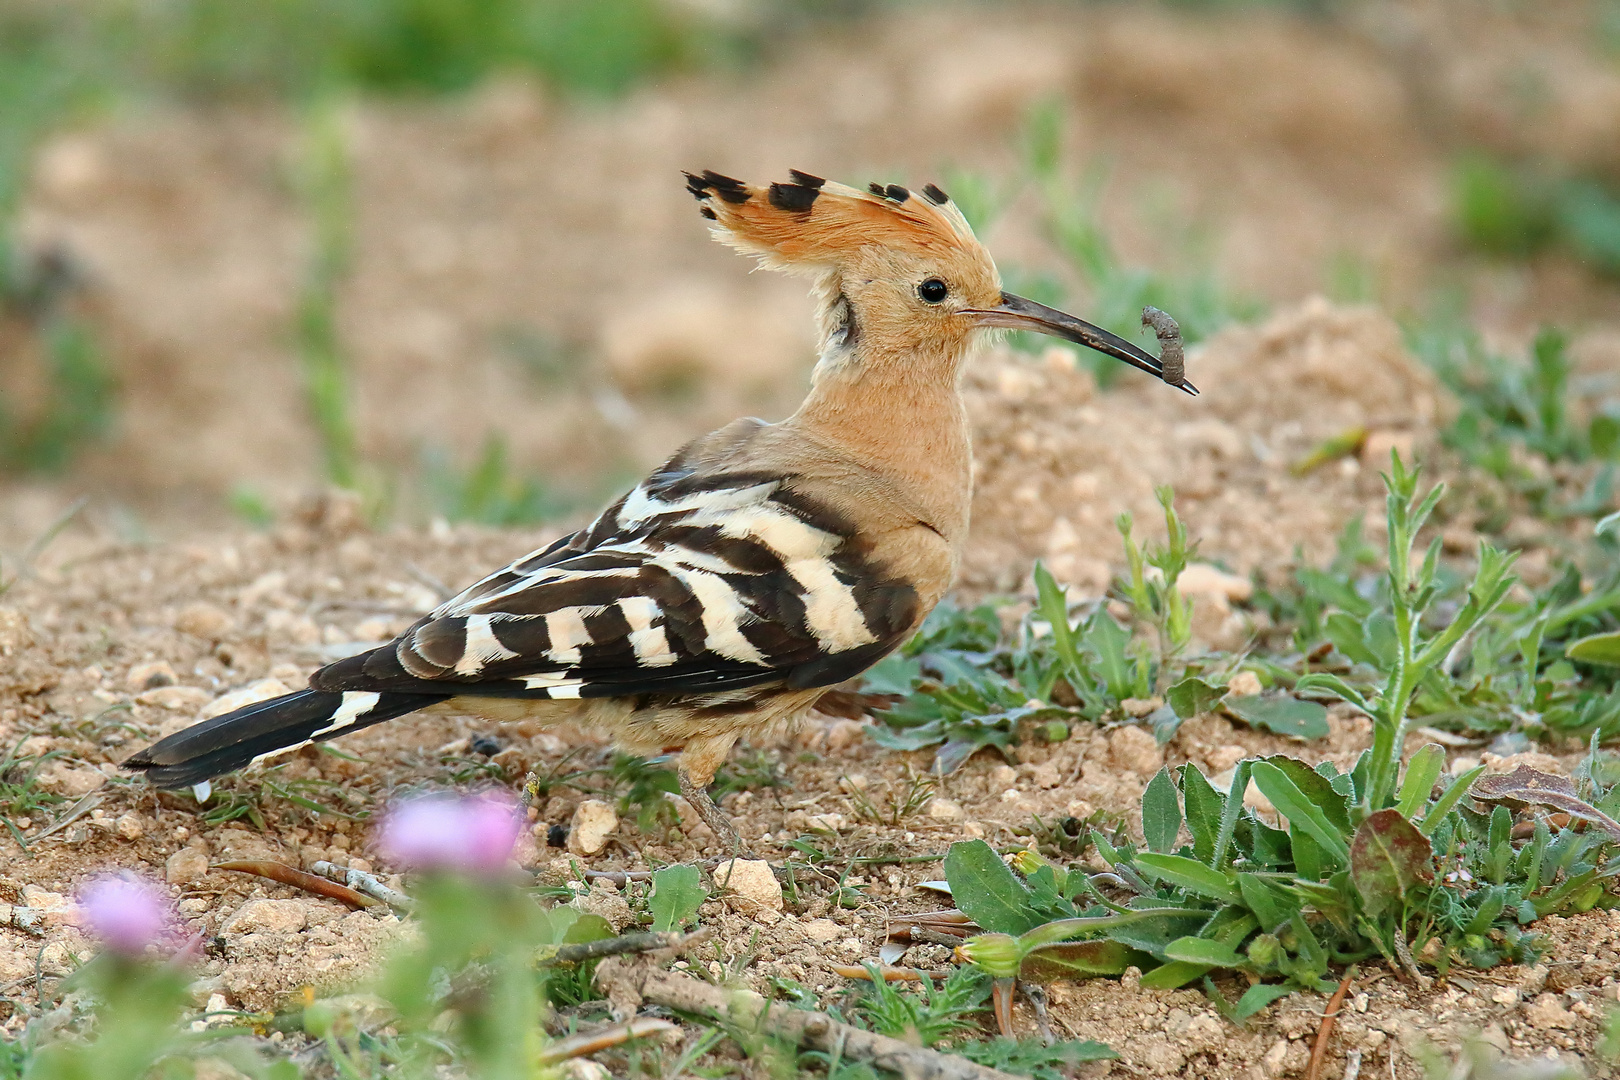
677	894
1197	950
1192	696
1596	649
1172	975
1334	685
986	891
1271	905
1300	811
1318	789
894	674
1231	812
1189	874
1388	859
1421	773
1205	807
587	928
1161	812
1448	799
1079	960
1282	715
1257	997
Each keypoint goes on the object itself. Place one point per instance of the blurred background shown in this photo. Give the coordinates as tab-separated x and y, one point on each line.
438	252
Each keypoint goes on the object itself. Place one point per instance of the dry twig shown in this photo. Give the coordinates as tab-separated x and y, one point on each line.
1313	1071
890	973
625	943
627	982
363	882
603	1039
298	879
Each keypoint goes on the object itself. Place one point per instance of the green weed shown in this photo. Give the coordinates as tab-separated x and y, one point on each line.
1115	293
928	1016
324	184
1373	863
292	46
490	492
1519	211
20	793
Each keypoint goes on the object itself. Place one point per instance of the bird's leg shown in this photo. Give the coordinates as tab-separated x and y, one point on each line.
700	759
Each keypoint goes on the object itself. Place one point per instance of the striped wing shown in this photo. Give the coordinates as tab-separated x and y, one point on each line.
692	583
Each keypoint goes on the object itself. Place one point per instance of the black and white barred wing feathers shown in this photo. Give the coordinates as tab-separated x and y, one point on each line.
688	585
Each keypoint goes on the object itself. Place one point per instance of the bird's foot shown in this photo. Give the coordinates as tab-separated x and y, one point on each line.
715	818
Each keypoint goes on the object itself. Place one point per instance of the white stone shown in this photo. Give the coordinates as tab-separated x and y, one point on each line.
1204	580
57	909
1274	1060
822	931
944	809
150	676
173	697
130	826
263	690
594	821
584	1069
1244	684
1135	750
1548	1011
749	886
833	822
185	866
268	917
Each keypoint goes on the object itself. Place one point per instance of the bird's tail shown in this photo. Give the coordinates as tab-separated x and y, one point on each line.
224	743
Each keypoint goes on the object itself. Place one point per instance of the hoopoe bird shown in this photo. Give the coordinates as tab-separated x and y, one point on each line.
758	567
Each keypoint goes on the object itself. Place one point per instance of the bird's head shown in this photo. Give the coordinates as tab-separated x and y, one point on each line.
898	272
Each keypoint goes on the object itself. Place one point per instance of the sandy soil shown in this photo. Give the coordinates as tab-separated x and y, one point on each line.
534	269
110	644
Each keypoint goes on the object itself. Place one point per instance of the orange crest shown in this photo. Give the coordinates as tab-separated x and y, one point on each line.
812	224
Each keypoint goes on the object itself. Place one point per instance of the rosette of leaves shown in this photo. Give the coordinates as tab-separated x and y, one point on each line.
1355	865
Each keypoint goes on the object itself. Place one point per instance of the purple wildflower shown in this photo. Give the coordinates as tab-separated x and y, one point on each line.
126	915
473	834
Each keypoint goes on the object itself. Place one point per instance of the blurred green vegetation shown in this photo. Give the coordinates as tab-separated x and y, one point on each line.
1519	210
1111	292
62	62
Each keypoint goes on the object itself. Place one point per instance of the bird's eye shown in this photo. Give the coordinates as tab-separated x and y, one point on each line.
933	290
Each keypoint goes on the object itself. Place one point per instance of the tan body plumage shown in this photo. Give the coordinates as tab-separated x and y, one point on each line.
761	565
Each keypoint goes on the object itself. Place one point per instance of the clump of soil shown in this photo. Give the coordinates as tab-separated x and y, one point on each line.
1057	462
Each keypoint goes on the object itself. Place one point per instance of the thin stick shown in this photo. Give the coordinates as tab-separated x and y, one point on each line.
800	1026
298	879
1313	1071
363	882
890	974
604	1039
87	803
624	943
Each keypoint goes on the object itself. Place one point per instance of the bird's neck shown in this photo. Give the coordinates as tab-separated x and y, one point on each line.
902	417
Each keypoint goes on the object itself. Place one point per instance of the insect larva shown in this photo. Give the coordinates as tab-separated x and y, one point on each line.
1171	356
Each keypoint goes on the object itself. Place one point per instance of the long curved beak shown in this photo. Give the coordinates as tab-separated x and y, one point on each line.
1016	313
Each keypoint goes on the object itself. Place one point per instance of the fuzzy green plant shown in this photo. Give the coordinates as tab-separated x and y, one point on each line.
325	184
1414	867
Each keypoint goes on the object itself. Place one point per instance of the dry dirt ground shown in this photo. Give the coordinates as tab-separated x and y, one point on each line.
533	268
109	644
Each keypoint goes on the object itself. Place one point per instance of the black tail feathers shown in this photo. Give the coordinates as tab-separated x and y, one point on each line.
225	743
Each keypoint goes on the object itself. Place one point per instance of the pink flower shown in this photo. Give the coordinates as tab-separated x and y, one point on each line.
126	915
474	834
